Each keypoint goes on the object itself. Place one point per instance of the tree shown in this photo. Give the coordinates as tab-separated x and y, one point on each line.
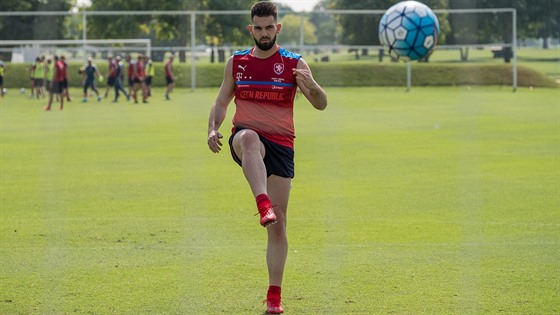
173	30
226	30
362	29
291	27
33	27
328	30
538	19
534	19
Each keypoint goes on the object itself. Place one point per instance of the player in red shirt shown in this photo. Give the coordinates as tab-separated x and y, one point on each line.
263	80
169	77
57	83
138	77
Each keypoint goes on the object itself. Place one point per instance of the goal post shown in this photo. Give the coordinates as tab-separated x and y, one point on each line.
512	45
86	46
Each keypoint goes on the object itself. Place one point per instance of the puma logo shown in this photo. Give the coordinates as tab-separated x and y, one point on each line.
242	67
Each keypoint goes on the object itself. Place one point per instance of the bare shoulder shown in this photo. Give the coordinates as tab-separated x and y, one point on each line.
228	68
228	84
302	64
229	62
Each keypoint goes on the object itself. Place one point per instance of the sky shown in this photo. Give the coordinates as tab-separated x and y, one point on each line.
299	5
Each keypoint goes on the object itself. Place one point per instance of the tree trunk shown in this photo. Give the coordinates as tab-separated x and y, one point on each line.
182	56
464	53
183	53
545	43
508	53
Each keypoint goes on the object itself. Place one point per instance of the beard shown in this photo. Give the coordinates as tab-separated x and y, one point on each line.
265	46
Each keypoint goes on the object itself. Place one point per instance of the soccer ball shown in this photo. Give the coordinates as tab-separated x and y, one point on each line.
4	91
409	30
22	90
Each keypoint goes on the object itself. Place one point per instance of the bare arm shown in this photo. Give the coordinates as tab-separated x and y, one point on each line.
219	109
309	87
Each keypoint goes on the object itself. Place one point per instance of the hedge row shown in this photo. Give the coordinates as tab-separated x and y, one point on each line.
333	74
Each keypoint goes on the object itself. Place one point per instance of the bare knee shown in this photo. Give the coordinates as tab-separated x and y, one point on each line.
247	142
250	141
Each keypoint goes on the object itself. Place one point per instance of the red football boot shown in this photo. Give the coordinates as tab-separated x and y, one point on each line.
274	305
267	215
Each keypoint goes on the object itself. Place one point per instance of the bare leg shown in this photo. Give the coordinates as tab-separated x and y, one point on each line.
48	107
277	247
250	150
169	89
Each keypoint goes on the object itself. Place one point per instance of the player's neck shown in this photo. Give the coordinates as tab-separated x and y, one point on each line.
263	54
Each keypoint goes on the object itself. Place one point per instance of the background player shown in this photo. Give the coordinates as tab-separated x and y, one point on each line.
169	77
90	73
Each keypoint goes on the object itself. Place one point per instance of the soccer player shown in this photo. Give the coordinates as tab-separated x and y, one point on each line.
49	71
169	77
119	74
90	74
263	80
64	74
131	65
138	77
57	83
1	77
31	71
110	75
38	76
150	72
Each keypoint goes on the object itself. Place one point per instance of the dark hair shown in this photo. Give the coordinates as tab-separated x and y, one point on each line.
263	9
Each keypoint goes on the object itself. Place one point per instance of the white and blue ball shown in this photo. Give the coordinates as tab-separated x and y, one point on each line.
409	30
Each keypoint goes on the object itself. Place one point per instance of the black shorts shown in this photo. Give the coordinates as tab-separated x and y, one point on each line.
65	84
168	80
1	80
148	81
111	81
38	82
278	159
57	87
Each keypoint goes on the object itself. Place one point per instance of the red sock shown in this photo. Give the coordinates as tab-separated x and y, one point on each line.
263	201
274	291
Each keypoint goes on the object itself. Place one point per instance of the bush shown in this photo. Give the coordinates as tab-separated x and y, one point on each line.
331	74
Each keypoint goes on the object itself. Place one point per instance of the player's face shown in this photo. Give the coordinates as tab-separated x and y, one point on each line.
264	30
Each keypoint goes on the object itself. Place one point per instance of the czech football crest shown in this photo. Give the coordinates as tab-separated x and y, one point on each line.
278	68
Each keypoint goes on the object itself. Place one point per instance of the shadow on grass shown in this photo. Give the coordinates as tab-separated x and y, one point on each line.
529	59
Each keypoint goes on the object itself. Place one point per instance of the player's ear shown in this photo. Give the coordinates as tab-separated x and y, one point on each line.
250	28
278	27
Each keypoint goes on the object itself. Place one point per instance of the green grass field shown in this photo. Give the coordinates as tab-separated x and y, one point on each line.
437	201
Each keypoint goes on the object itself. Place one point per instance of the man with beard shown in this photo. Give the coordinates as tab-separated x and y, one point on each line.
264	80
